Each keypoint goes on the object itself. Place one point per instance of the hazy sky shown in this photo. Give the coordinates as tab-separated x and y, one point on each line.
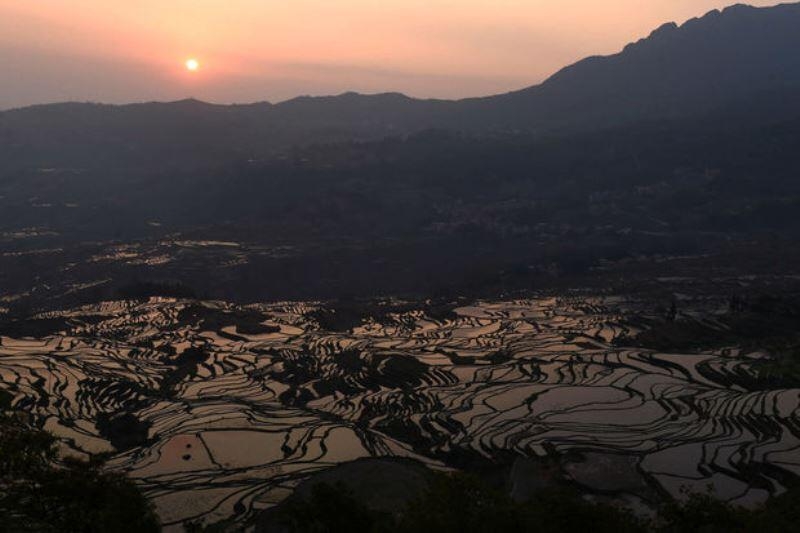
250	50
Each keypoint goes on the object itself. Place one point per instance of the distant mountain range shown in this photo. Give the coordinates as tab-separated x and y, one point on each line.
677	156
708	63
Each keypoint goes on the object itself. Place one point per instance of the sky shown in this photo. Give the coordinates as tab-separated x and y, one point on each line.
118	51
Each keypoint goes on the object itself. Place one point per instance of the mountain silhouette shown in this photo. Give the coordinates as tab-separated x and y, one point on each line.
708	63
677	71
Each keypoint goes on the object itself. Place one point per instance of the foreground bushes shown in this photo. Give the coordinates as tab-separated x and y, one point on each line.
463	504
37	494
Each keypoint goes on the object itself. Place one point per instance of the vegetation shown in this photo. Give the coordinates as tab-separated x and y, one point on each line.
784	366
40	493
332	508
752	322
765	323
463	504
704	513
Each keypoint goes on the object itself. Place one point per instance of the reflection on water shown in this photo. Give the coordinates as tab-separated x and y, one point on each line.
231	407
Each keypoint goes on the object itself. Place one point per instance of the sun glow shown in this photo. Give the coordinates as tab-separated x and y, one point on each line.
192	65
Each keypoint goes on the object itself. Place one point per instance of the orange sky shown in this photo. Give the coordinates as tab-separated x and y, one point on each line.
122	51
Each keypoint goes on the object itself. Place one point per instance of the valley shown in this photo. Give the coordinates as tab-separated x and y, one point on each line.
217	410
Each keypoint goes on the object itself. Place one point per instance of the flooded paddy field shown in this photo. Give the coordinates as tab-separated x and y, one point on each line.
219	410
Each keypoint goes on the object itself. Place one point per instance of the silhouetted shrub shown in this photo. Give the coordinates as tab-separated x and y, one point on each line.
331	508
461	503
39	494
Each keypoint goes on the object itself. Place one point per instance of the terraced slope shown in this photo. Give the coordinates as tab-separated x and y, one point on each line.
219	411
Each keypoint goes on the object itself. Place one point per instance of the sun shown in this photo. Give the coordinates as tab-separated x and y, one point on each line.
192	65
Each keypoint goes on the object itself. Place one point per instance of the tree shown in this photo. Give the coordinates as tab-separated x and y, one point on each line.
40	493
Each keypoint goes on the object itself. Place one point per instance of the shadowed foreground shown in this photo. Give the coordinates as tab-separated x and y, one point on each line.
218	412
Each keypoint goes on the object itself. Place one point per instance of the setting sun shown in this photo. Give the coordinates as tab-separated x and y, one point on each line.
192	65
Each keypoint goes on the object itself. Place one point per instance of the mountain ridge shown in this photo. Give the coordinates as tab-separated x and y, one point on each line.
663	30
678	70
